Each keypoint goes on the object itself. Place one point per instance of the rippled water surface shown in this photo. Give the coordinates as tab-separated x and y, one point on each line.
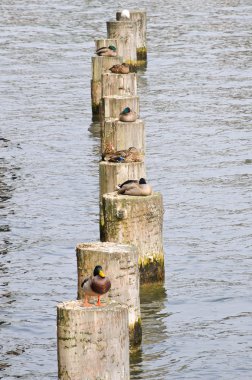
195	98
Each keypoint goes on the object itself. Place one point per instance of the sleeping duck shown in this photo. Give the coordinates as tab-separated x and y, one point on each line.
135	187
120	69
127	155
109	51
128	115
95	285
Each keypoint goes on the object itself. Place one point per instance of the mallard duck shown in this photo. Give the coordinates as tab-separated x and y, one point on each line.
135	187
120	69
109	51
128	155
95	285
128	115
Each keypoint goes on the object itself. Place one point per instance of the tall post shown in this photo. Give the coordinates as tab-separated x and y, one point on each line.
99	66
138	220
120	263
140	17
125	34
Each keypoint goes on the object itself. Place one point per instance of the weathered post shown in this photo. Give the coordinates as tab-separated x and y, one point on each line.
139	16
125	34
137	220
99	66
120	263
123	135
93	342
119	84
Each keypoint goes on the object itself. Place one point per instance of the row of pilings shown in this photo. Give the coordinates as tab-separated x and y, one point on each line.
94	342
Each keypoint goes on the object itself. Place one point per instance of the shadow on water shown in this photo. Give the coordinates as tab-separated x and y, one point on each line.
95	129
153	299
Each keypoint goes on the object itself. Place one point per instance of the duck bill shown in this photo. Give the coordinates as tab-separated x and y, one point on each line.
101	274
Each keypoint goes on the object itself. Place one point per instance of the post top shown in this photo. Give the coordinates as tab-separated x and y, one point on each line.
76	305
106	247
115	195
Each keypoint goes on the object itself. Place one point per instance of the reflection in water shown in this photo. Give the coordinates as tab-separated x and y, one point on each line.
95	129
154	312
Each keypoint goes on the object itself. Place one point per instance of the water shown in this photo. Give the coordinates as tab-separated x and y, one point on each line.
196	102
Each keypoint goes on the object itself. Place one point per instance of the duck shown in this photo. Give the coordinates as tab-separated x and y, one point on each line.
127	155
128	115
135	187
95	285
120	69
125	15
109	51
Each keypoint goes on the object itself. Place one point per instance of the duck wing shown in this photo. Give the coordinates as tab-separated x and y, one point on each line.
128	187
85	281
101	50
129	181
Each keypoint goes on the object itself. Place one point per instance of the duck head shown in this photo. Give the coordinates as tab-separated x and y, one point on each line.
112	47
142	181
98	271
126	110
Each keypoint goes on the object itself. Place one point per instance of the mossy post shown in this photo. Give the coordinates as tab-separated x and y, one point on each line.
93	342
140	17
99	65
112	106
137	220
125	34
119	84
123	135
120	264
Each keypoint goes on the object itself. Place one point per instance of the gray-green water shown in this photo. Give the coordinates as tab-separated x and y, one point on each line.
195	98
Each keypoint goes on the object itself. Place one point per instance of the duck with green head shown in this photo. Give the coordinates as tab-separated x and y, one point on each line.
95	286
109	51
128	115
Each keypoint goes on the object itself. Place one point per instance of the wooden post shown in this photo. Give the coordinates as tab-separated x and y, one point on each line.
137	220
123	135
99	65
119	84
139	17
112	106
125	34
93	342
112	173
120	263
